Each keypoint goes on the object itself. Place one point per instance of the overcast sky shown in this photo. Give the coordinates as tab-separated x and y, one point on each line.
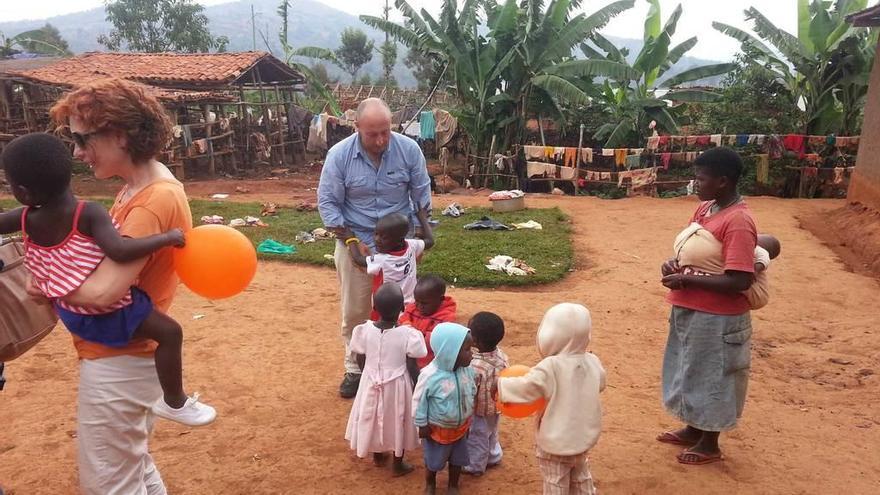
696	20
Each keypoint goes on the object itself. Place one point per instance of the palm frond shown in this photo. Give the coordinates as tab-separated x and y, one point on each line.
698	73
606	45
582	27
593	68
505	23
404	35
664	119
559	88
617	139
676	53
785	42
743	37
652	20
317	52
591	52
316	84
692	96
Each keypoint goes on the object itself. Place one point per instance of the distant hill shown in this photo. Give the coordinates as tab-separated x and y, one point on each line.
311	24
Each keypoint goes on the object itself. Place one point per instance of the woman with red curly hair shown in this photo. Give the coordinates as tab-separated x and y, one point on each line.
118	129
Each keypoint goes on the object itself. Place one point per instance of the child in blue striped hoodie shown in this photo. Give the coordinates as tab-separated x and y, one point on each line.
444	404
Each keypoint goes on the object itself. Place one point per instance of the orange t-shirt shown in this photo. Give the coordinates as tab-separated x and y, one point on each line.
447	436
157	208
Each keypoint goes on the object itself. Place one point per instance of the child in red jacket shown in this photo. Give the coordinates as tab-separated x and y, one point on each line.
431	307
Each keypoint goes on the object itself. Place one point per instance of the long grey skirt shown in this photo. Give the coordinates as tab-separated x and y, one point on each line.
706	368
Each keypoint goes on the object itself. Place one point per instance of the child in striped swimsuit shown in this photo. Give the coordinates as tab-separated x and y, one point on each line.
65	241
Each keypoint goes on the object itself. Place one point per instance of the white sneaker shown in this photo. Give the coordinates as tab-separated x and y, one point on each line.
193	412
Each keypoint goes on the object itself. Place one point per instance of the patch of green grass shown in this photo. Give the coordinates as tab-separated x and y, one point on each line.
459	255
283	228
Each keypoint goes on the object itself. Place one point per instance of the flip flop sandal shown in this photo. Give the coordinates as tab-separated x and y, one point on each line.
672	438
701	458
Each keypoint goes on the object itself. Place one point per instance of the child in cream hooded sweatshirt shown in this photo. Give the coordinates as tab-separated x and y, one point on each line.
570	379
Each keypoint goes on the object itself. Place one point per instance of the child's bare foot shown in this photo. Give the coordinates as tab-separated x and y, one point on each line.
430	482
380	459
401	468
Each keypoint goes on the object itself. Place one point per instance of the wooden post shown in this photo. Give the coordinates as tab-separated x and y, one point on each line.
280	121
5	99
490	162
802	182
231	159
541	130
209	131
577	162
25	106
256	74
298	127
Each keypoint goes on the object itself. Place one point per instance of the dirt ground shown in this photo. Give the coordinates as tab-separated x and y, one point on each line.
270	361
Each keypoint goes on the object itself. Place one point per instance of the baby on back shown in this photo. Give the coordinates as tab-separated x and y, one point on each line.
698	251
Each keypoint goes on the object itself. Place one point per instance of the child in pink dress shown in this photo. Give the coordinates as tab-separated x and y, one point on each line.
381	418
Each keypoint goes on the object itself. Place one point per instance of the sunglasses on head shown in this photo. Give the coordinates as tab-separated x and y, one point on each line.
81	139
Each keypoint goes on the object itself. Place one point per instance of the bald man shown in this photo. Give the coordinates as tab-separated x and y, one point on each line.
368	175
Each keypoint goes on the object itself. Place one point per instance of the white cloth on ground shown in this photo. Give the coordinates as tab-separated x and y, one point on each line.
531	224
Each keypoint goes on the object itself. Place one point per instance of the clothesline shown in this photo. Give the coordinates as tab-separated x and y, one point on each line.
642	176
624	158
790	140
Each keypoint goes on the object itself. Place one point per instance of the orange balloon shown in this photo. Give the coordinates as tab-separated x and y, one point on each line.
512	410
217	261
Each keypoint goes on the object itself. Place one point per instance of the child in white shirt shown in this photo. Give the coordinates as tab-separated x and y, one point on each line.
570	379
396	257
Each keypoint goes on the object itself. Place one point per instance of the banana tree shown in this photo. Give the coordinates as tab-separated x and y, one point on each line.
45	41
854	58
544	78
472	60
315	85
636	100
803	62
521	65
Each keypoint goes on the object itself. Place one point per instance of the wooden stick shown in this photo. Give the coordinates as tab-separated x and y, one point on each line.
541	130
577	162
280	124
206	109
489	161
258	80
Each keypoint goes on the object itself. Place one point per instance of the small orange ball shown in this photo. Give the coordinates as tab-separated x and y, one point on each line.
519	410
217	261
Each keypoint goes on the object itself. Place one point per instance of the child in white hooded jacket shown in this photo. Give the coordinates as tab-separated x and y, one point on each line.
570	379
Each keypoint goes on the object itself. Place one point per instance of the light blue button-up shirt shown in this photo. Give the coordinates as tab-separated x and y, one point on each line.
355	193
